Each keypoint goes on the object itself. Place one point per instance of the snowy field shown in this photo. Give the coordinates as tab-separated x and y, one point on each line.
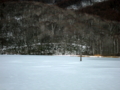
20	72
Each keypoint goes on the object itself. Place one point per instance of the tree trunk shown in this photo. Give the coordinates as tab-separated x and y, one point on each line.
93	48
80	53
117	46
100	47
114	44
80	56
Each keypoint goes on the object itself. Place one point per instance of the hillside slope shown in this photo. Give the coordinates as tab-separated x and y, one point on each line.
37	28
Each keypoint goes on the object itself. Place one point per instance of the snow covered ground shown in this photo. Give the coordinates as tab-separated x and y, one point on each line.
24	72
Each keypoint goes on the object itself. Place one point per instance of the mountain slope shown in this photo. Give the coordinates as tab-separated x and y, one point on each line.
34	28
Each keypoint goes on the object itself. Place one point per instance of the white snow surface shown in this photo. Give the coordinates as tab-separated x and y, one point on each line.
24	72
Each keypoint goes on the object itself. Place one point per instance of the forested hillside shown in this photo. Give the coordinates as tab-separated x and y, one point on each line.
37	28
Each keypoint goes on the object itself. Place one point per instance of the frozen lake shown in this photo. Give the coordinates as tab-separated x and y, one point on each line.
24	72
